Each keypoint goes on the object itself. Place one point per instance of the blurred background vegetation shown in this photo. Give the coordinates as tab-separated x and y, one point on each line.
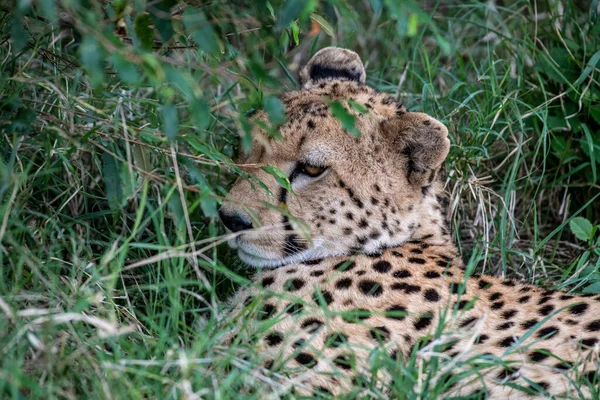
120	122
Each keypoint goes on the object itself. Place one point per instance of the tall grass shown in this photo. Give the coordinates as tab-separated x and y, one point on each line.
119	124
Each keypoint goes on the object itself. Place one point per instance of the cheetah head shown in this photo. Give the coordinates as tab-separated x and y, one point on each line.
349	195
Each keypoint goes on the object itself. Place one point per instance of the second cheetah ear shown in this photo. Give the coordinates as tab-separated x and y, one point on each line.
333	63
423	140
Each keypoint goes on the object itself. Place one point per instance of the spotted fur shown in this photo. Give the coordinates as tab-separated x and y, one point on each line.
378	273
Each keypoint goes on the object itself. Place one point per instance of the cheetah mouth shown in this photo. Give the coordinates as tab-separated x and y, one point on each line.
258	256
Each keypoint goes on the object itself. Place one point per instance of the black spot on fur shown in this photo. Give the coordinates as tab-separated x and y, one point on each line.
431	274
347	265
312	325
343	361
529	323
593	326
370	288
505	326
497	305
321	391
508	314
507	341
578	309
396	312
306	359
544	300
401	274
467	322
311	124
274	338
524	299
538	355
547	309
382	266
457	288
322	296
423	322
294	284
432	295
268	281
343	283
564	365
407	288
547	332
313	262
415	260
495	296
483	284
481	339
380	333
336	339
267	311
506	373
589	342
294	308
463	304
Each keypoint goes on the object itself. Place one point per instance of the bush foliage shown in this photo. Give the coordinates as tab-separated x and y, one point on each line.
120	123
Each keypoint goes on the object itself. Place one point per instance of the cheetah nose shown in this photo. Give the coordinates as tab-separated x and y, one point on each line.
234	220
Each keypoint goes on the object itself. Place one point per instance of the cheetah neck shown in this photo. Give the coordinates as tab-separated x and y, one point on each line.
433	228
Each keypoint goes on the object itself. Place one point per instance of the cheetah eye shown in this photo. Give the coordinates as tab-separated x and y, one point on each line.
311	170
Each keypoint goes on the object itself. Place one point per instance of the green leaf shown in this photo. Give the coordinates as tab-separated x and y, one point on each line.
143	31
346	119
22	121
279	176
112	181
289	12
141	157
208	203
582	228
275	109
358	107
413	23
593	288
325	26
126	70
48	9
591	152
201	30
169	121
295	32
92	58
160	12
19	36
200	113
595	113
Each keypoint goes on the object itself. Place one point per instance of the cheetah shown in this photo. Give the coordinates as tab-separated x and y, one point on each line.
356	259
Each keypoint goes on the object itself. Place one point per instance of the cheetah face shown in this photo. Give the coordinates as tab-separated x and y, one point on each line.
349	195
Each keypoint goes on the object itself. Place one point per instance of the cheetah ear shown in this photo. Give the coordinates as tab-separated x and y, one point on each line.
423	140
333	63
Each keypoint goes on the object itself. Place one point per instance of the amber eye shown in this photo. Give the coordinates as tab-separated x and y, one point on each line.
311	170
